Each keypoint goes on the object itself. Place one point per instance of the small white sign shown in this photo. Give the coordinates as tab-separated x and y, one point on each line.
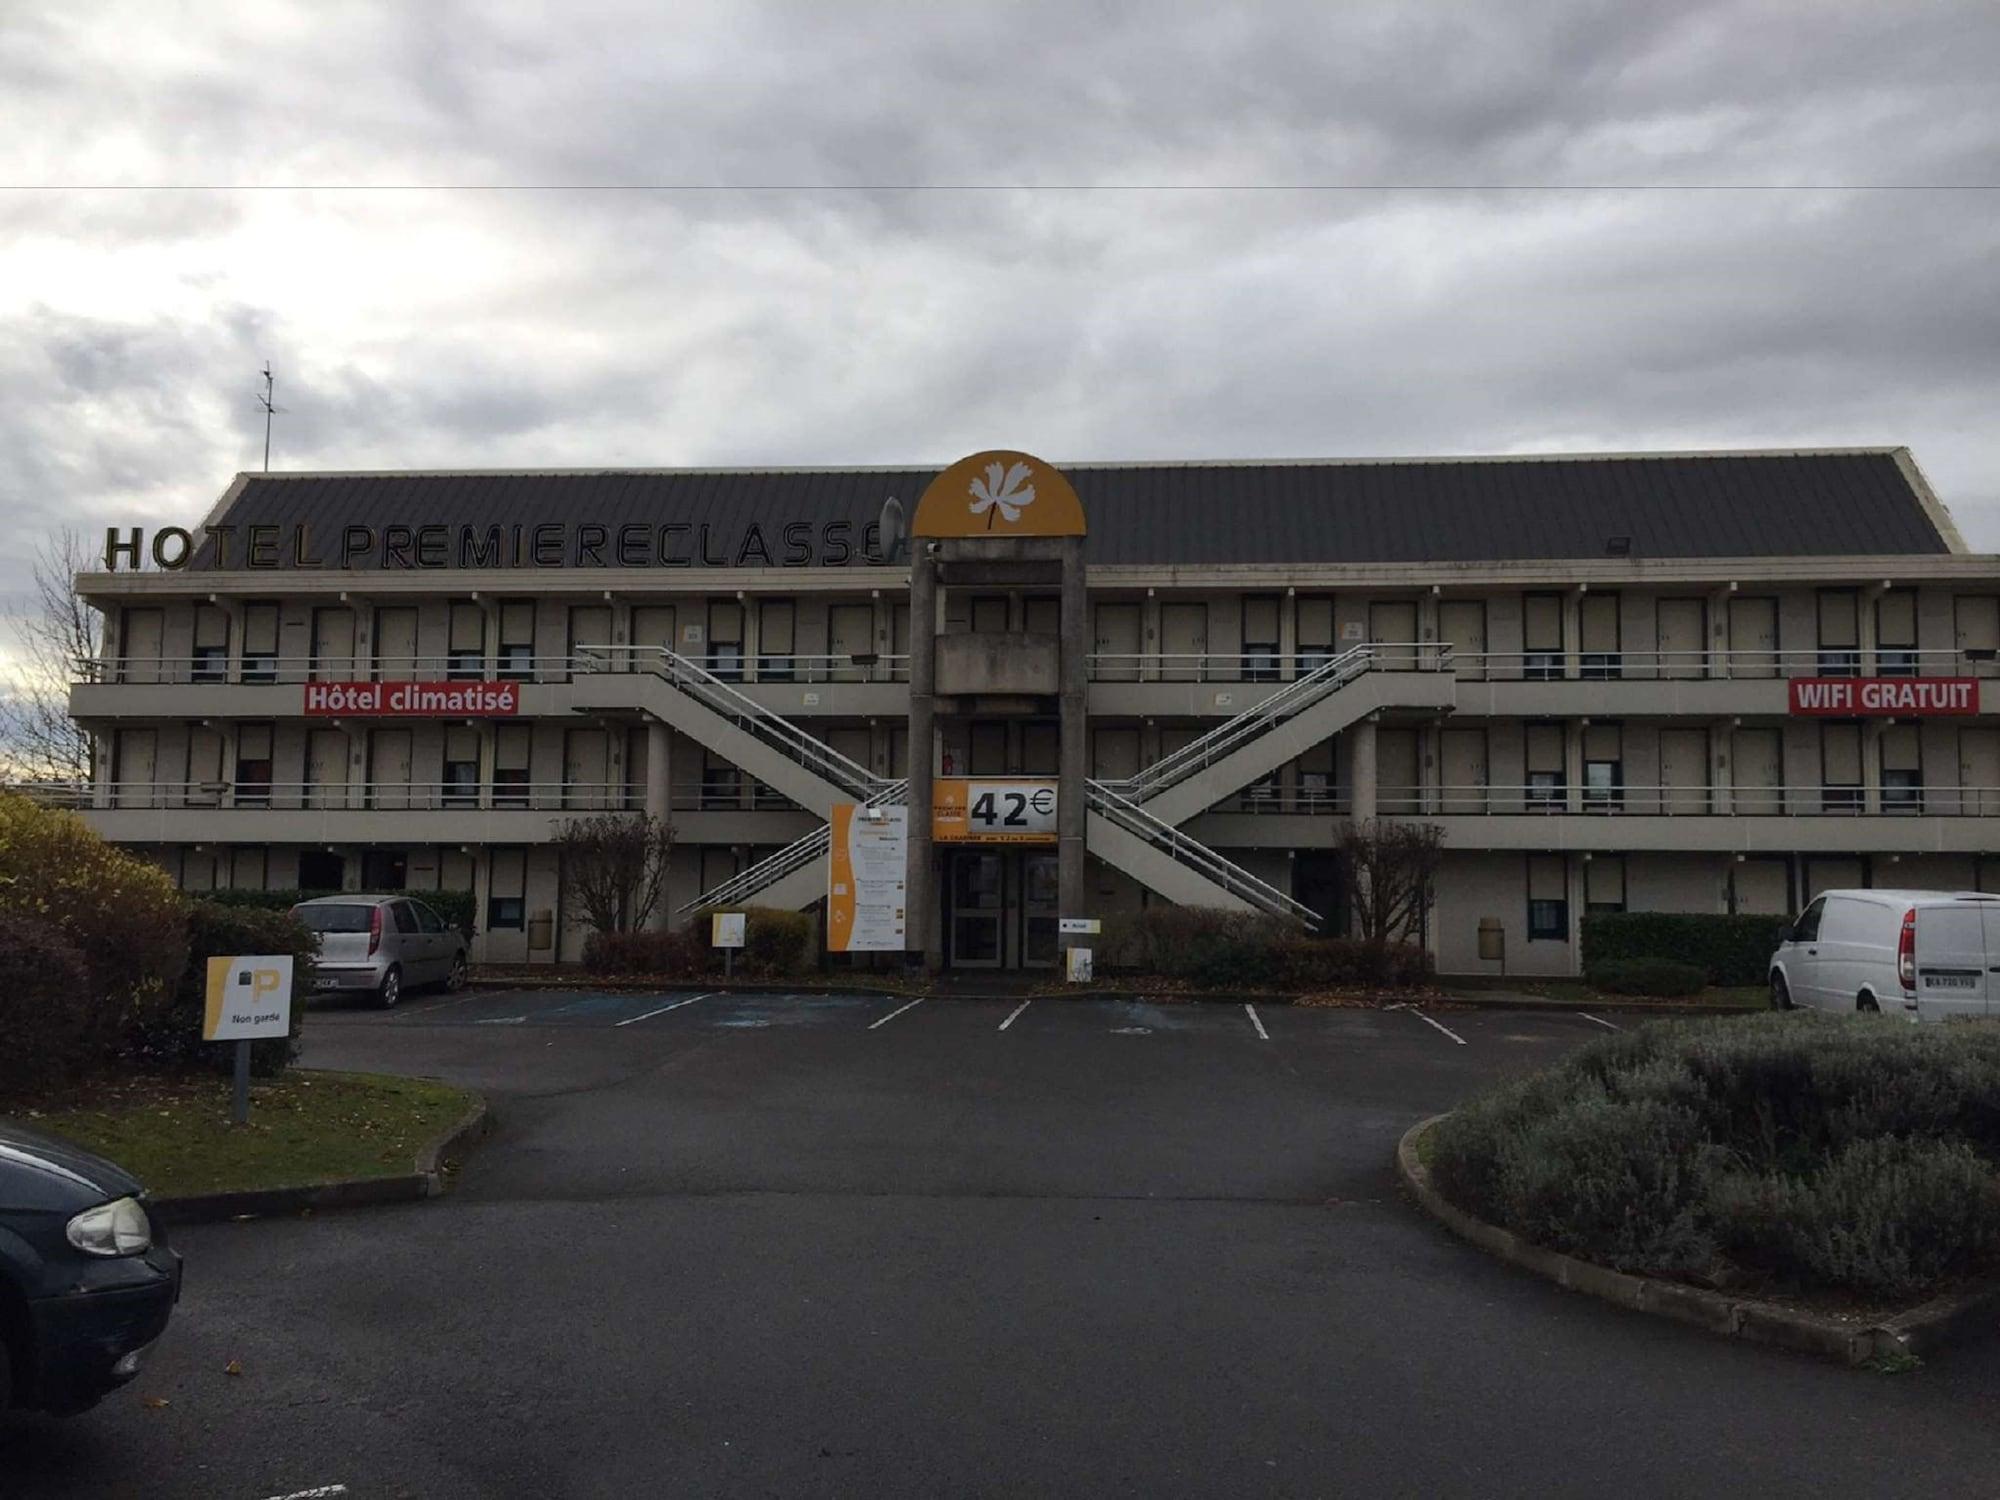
725	929
1079	965
1354	630
248	996
690	635
1079	926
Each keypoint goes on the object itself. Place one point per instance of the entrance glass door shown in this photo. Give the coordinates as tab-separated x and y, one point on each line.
978	905
1039	911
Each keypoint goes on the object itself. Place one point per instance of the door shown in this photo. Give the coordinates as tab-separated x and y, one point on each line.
333	645
326	768
1681	631
141	643
1801	957
1462	626
1464	775
586	769
1979	772
1316	885
590	636
134	758
440	948
390	768
1398	779
1392	629
413	949
1753	638
1684	770
204	768
396	644
850	632
1955	954
1116	643
1184	642
1040	939
1757	770
1977	626
978	908
652	633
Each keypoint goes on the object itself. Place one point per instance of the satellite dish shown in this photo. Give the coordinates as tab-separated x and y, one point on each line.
893	540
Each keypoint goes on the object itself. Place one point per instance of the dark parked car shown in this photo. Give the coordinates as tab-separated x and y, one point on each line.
86	1279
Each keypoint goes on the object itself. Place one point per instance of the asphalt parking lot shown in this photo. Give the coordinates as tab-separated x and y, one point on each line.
774	1245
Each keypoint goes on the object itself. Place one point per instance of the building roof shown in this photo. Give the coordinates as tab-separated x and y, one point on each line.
1829	503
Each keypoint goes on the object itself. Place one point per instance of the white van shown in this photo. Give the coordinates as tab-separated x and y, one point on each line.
1930	955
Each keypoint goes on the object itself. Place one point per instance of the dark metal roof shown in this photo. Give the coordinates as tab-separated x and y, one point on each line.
1843	503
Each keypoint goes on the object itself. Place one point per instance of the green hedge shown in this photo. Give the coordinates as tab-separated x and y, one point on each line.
1661	978
168	1033
1730	950
459	909
1811	1151
1246	950
777	944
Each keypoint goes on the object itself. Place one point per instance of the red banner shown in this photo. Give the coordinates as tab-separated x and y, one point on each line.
412	700
1917	697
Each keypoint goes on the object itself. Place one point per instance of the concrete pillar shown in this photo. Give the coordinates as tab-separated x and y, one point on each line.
921	934
1361	770
659	797
1073	757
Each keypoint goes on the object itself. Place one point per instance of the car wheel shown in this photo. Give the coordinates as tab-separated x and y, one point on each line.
1865	1003
1781	993
391	988
455	980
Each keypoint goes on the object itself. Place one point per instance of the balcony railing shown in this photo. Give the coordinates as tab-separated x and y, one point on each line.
354	796
1628	800
261	670
1256	665
1558	665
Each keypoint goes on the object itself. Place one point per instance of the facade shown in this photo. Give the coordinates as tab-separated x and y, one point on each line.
1676	682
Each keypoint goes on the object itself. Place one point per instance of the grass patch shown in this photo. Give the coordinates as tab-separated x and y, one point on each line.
174	1134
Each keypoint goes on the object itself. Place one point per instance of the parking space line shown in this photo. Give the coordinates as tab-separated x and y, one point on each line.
895	1013
676	1005
1251	1010
1429	1022
1605	1024
1016	1011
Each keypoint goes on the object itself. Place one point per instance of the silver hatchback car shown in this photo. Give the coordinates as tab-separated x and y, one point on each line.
382	944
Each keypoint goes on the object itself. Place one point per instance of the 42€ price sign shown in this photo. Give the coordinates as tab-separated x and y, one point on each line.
975	810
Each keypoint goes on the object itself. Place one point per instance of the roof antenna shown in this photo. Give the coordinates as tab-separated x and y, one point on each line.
270	411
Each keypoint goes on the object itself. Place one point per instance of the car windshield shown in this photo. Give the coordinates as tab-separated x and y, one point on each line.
334	918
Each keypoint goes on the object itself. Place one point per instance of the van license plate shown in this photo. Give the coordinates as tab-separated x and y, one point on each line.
1951	982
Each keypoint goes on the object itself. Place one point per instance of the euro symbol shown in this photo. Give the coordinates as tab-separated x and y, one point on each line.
1044	801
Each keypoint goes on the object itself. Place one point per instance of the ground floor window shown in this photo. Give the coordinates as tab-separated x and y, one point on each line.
1548	898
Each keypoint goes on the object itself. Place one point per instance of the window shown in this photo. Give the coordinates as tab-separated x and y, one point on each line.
989	614
1902	769
1840	767
1548	898
725	640
211	645
507	881
516	656
1599	658
427	920
1839	633
1315	634
1604	884
260	643
404	916
776	620
461	766
1541	637
1548	783
1603	768
253	764
465	652
1806	929
1896	633
721	783
1260	638
383	870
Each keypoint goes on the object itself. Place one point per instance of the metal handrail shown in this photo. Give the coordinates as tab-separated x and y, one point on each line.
1295	697
1197	856
265	669
719	696
1632	800
795	855
230	794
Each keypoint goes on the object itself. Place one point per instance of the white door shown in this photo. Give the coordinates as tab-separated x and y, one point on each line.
1753	638
1392	625
1682	632
1953	944
1979	772
333	645
1977	619
141	644
326	768
1464	774
1116	643
134	761
390	768
1184	642
1757	770
586	768
1801	956
204	771
652	633
1684	771
396	644
850	632
590	634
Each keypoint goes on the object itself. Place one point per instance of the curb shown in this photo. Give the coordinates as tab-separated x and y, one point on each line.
427	1181
1923	1328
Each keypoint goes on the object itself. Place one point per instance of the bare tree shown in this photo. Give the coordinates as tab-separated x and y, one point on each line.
59	633
614	867
1392	877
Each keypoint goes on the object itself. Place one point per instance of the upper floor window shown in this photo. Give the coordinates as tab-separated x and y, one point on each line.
1839	633
1260	638
1896	633
211	644
1541	637
260	643
465	650
1599	657
516	656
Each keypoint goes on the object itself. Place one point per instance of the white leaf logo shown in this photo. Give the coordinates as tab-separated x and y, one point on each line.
1004	492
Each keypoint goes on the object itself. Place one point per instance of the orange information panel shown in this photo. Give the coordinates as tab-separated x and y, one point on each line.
867	864
974	810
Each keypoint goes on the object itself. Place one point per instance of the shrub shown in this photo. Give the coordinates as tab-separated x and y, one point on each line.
45	1013
1730	950
167	1033
121	915
1246	950
459	909
1665	978
1829	1152
777	944
645	952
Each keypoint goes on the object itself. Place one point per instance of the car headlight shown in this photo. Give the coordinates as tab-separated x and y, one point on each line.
119	1227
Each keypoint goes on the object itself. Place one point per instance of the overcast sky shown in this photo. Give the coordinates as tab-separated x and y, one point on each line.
1640	286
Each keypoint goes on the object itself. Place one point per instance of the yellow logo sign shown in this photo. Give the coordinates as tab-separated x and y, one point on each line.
249	995
999	493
